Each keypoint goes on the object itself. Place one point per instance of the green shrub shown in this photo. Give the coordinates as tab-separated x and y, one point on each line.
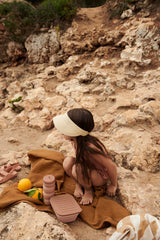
34	2
51	11
21	18
5	8
64	9
44	14
18	19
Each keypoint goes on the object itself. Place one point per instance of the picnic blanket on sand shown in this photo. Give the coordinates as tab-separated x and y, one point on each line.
43	162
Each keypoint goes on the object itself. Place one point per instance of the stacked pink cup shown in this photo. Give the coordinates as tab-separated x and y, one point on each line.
48	188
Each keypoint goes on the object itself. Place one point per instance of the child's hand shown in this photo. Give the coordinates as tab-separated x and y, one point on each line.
111	190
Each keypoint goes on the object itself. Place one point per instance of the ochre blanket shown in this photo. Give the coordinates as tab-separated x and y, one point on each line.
43	162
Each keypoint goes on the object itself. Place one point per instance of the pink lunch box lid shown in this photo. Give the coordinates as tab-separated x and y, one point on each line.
65	204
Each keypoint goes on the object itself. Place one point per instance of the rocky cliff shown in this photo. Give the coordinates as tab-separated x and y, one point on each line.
111	67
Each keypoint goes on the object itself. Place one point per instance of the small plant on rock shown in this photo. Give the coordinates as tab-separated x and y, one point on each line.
16	108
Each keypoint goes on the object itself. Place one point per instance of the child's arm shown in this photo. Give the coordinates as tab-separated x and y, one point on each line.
112	172
111	168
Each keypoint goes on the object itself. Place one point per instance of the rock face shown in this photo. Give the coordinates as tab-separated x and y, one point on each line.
137	190
113	69
40	47
25	222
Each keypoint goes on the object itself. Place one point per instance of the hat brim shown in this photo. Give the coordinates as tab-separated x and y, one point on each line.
67	127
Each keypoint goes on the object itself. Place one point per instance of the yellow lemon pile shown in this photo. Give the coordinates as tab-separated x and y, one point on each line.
25	185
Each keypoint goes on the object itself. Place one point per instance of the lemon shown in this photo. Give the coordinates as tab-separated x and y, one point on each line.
24	184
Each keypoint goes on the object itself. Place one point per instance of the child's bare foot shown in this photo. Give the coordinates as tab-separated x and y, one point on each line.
111	190
78	192
87	197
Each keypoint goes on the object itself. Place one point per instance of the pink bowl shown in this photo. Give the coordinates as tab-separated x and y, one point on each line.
65	207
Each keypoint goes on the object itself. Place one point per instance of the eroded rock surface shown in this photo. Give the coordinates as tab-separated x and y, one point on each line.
111	68
25	222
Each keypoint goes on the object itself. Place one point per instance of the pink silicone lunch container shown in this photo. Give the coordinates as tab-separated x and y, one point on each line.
65	207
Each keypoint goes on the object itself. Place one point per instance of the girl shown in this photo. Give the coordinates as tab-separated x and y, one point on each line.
91	165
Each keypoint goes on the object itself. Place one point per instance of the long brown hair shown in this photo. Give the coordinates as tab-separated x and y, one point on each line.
84	119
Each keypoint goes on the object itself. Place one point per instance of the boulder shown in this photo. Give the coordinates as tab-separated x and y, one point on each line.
25	222
42	46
